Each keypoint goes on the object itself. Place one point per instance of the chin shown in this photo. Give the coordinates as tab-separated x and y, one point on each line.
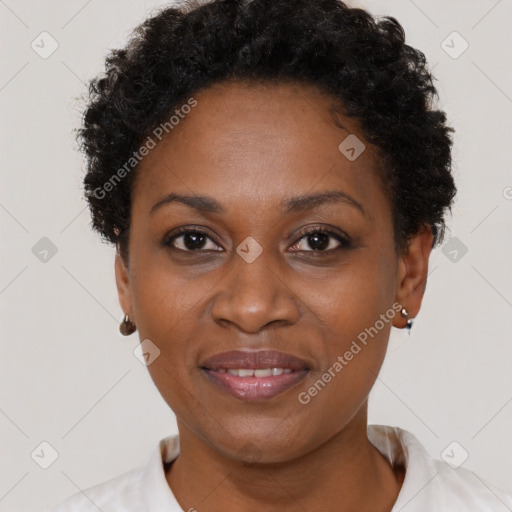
276	443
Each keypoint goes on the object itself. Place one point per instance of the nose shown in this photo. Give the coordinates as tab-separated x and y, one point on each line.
253	295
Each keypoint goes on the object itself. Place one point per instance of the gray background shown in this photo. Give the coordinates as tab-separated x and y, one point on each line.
68	378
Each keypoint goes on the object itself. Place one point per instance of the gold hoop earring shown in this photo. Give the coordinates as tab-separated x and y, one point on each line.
127	327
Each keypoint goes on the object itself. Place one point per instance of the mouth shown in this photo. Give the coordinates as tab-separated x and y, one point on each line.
254	375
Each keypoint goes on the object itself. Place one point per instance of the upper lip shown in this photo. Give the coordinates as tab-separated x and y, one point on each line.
260	359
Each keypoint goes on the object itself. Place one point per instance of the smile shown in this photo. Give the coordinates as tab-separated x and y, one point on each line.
253	372
254	376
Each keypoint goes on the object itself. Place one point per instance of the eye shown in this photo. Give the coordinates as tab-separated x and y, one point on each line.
321	240
190	240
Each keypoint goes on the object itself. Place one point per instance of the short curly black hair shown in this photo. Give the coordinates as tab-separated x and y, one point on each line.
357	59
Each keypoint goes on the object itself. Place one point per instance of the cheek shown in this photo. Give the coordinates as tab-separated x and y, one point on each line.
354	308
351	297
165	298
358	321
164	306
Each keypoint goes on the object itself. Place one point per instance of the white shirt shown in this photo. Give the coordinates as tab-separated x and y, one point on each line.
429	484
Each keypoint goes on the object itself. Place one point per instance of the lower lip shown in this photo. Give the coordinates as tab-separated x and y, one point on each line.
255	388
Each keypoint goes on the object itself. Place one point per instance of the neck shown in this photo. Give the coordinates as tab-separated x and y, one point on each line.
345	474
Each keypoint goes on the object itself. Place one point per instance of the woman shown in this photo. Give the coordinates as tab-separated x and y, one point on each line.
274	177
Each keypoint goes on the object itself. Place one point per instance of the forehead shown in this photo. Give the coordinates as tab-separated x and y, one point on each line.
251	144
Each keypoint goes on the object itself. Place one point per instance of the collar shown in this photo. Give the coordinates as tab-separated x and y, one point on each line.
397	445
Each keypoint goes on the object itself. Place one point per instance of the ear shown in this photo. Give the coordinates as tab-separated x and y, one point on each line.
123	286
412	274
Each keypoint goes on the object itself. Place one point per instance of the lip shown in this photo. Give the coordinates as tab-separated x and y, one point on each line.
254	388
257	359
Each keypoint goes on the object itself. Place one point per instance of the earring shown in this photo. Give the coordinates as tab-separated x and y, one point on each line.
127	327
405	314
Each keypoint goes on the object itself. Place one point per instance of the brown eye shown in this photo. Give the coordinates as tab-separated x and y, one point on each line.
320	240
190	240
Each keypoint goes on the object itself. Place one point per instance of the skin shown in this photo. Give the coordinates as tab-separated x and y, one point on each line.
250	146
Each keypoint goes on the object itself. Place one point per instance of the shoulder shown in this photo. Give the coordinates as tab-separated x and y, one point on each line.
121	493
138	490
465	489
433	484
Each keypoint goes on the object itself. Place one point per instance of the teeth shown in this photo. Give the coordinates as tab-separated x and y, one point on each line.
267	372
260	372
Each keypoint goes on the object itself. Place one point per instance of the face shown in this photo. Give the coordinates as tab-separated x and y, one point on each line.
285	266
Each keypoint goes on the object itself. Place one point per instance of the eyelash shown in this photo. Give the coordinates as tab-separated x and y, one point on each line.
345	242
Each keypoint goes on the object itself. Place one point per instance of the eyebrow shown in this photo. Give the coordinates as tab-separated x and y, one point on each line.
310	201
289	205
